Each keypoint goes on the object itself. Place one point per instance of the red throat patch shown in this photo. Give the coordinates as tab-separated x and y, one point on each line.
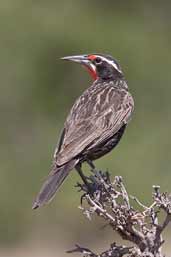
92	72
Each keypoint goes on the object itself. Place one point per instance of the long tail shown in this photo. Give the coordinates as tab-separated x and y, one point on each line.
52	183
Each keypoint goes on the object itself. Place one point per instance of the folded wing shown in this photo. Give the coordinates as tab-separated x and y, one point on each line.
98	114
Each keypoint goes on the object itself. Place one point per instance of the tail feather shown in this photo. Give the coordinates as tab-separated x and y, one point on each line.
52	184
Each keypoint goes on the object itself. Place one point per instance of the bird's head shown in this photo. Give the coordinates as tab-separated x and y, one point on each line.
99	65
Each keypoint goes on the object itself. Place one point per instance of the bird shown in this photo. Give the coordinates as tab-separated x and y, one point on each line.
95	123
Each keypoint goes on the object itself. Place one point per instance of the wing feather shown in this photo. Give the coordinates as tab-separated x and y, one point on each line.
97	114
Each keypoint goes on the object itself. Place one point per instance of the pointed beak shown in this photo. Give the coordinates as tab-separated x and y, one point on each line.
82	59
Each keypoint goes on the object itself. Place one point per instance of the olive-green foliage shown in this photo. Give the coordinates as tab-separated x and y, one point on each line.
38	89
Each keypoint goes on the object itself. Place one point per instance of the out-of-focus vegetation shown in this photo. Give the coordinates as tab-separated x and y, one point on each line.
38	89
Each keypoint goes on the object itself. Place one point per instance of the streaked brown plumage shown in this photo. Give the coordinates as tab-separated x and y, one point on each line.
95	123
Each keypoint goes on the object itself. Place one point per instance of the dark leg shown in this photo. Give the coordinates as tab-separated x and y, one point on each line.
91	164
79	170
93	169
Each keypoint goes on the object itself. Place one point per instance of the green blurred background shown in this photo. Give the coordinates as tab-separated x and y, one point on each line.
37	91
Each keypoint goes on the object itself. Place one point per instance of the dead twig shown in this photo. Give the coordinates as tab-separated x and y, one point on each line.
140	226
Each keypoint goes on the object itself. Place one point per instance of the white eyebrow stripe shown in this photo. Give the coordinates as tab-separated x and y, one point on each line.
110	62
93	67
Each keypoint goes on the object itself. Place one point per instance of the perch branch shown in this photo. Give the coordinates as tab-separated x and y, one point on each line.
111	202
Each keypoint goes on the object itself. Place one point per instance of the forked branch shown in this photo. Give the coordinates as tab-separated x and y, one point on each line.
140	226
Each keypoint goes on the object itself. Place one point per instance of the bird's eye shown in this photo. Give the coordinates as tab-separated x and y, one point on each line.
98	60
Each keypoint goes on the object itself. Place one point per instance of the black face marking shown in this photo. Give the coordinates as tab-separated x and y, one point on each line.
106	67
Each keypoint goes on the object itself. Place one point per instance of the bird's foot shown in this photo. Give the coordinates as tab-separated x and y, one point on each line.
90	188
93	184
99	176
97	173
